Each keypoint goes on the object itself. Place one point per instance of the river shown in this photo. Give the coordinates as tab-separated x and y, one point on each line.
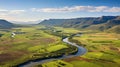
81	51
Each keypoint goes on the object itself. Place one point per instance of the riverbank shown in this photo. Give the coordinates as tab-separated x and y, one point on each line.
78	52
103	50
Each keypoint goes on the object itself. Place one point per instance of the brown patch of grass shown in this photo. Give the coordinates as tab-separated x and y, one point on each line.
5	57
113	48
4	47
10	56
42	41
77	58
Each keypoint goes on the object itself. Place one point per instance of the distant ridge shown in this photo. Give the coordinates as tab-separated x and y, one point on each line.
5	24
91	23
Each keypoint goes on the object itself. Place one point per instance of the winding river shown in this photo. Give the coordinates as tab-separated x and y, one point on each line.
80	52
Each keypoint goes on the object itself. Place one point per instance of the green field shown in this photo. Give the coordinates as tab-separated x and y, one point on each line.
35	42
28	42
103	50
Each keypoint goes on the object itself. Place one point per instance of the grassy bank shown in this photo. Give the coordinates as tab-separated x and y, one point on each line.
103	50
28	44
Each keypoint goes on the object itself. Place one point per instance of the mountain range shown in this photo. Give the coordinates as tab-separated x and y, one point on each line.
104	23
25	22
5	24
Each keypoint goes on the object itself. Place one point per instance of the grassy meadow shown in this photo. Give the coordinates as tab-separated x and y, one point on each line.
103	50
35	42
27	44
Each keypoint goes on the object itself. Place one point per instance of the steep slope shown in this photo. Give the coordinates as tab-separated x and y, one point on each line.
52	22
106	25
5	24
79	22
115	29
92	23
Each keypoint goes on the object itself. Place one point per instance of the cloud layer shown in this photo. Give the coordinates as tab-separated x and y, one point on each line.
8	12
79	8
63	9
37	13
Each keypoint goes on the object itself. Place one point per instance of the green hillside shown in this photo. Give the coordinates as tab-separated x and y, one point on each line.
92	23
5	24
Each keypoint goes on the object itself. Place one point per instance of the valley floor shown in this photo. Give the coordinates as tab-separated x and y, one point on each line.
103	48
103	51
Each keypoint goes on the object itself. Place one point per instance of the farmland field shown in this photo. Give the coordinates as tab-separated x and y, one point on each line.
103	50
35	42
26	44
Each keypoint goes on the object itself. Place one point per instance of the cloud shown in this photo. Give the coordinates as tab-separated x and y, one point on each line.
12	14
3	10
16	11
79	8
113	9
8	12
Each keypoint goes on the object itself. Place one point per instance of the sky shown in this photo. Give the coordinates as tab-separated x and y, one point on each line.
34	10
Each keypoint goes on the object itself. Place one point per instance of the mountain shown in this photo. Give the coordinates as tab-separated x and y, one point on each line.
26	22
5	24
53	22
115	29
106	25
92	23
